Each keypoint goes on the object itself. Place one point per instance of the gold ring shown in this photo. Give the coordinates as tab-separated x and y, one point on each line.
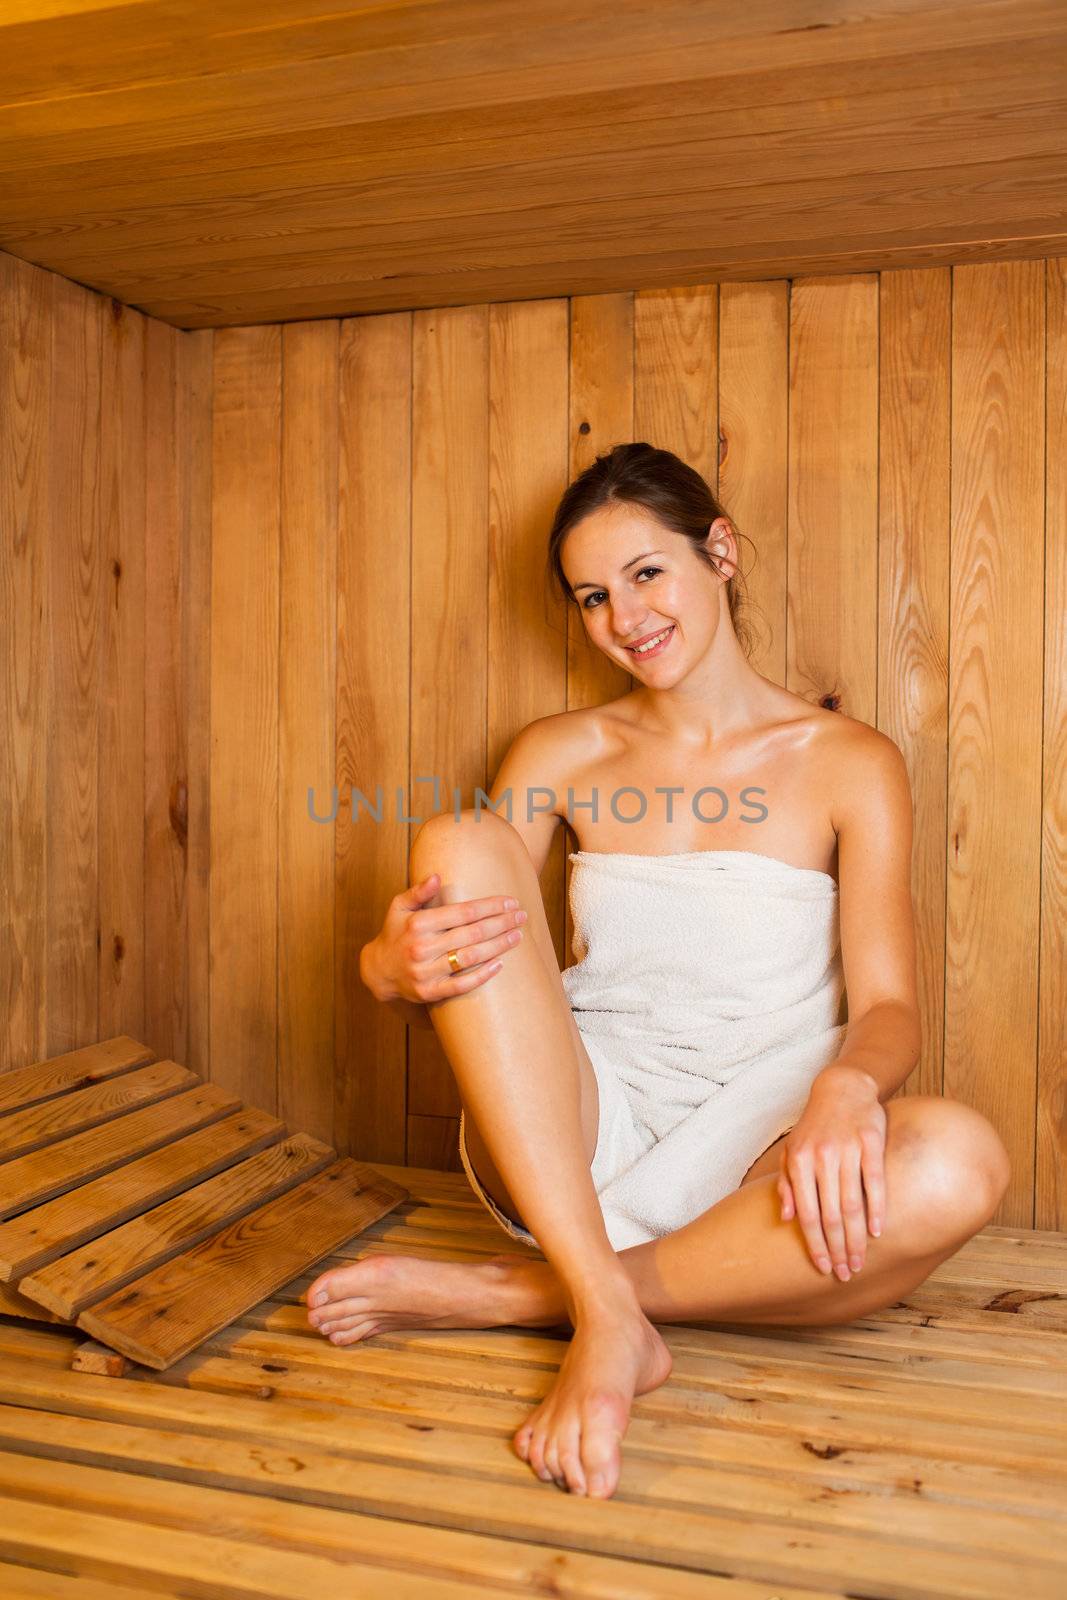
453	961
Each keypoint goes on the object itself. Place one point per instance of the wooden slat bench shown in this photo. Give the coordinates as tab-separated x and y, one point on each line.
152	1208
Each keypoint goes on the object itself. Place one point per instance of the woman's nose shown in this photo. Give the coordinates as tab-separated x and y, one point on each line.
627	621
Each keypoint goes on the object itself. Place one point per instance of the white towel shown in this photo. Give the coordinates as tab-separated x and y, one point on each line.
709	992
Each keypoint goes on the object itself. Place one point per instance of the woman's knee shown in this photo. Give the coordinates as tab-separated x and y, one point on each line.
951	1158
445	838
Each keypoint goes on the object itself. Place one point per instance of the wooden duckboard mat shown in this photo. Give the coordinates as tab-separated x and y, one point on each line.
918	1453
151	1208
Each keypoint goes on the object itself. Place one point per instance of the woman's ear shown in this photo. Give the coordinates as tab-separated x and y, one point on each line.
722	546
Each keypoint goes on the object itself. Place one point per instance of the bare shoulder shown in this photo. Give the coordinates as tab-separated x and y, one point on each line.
564	738
531	783
861	762
867	791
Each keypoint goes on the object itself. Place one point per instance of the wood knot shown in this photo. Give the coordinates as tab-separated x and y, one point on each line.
830	702
583	427
179	810
119	947
116	568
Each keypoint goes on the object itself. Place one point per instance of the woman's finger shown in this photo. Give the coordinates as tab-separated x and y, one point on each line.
853	1213
802	1178
874	1182
828	1175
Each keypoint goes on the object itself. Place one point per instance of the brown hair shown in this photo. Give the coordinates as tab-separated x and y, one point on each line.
664	484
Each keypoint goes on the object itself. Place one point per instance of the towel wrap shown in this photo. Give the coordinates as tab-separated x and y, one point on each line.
709	993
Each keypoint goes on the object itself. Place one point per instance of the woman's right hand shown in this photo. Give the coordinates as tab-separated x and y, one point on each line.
408	960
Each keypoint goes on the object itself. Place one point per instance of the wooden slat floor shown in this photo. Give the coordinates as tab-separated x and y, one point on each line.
918	1453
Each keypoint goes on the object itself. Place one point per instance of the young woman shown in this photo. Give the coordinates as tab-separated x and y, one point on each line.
695	1050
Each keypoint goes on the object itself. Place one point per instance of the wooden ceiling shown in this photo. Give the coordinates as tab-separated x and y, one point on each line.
218	162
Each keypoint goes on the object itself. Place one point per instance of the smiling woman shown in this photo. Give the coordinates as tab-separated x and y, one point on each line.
622	1115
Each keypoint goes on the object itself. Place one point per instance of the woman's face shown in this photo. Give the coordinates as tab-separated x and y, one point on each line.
635	580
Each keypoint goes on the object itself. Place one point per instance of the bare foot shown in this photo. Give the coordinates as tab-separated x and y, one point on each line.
380	1293
574	1435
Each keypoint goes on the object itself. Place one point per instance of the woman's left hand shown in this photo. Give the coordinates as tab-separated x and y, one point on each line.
834	1154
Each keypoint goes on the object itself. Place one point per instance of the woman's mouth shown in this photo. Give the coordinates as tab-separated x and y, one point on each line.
653	646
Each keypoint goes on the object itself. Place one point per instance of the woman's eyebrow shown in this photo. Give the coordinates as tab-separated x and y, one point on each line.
576	586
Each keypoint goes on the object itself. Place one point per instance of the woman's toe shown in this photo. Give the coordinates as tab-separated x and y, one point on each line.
361	1328
521	1441
571	1462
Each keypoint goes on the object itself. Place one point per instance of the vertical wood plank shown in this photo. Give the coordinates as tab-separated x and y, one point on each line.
373	720
913	603
676	374
244	713
25	421
306	725
1050	1183
601	406
528	455
122	636
833	492
754	453
995	695
165	805
75	555
433	1142
193	786
177	690
449	586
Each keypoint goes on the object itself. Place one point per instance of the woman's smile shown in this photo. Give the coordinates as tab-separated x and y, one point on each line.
663	639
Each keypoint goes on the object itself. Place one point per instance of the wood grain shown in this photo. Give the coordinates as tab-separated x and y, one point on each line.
28	1086
388	1451
26	300
307	750
833	492
1050	1188
373	720
753	452
52	1120
171	1230
60	1225
121	780
76	558
340	168
169	1311
244	713
29	1180
449	584
915	320
993	849
528	457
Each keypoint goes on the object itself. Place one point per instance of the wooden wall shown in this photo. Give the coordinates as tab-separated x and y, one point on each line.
363	603
104	610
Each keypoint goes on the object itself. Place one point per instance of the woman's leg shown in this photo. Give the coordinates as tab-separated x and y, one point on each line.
511	1044
537	929
946	1172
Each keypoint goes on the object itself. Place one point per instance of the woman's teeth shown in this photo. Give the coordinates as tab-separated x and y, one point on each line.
652	645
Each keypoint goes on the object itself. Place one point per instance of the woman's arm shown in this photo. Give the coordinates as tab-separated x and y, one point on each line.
872	815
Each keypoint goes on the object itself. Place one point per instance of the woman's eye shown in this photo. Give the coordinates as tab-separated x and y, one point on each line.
600	591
